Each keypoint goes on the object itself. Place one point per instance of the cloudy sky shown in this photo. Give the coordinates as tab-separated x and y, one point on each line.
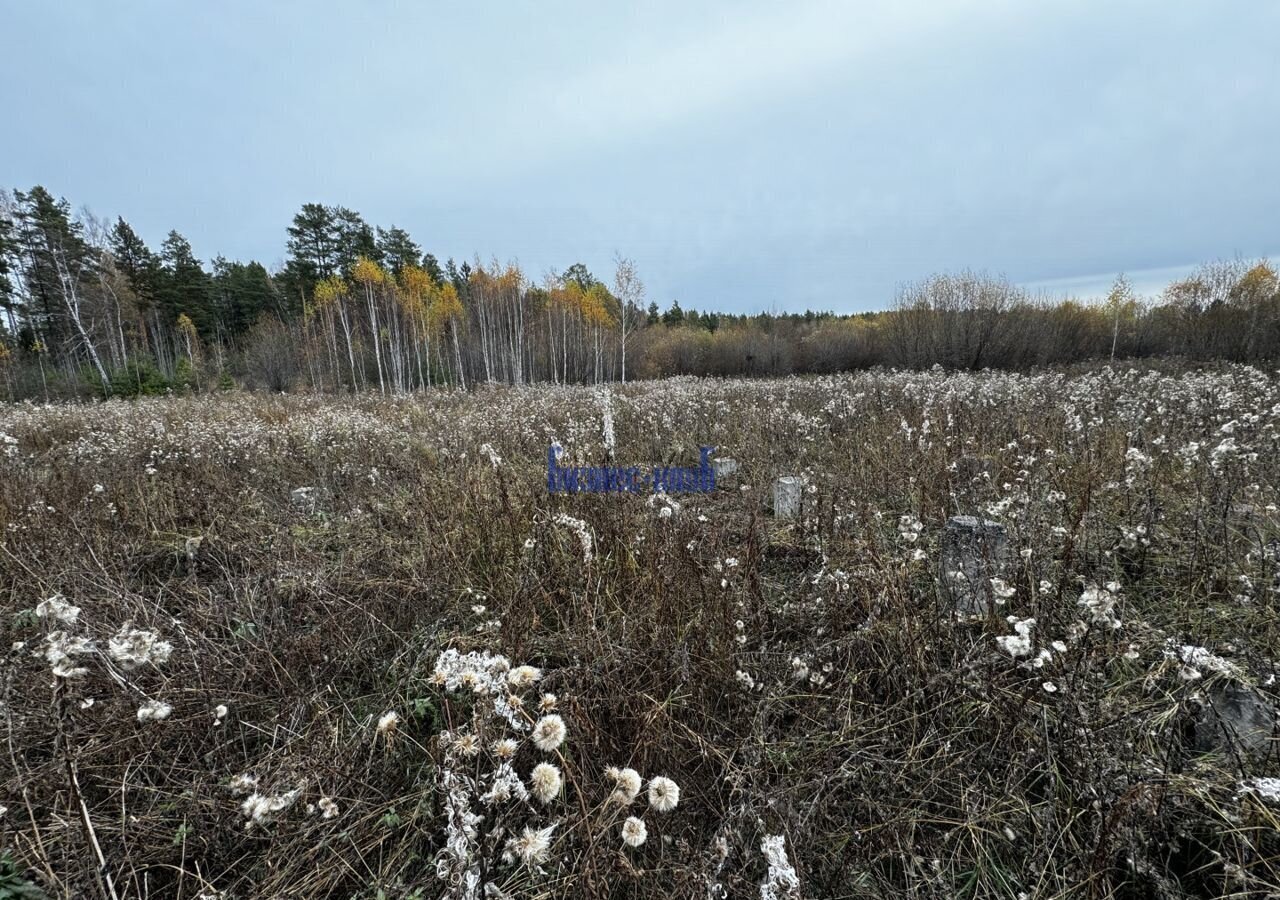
748	155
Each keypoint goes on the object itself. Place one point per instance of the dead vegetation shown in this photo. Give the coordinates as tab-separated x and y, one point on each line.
807	679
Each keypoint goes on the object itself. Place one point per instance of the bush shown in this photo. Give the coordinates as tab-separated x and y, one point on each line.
185	375
140	378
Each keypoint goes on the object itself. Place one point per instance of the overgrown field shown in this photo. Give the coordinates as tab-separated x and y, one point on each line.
221	686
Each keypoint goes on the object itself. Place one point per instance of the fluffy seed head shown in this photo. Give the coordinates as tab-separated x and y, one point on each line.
626	785
134	647
533	846
60	647
154	711
523	676
664	794
258	808
549	733
634	832
467	744
244	783
545	782
57	607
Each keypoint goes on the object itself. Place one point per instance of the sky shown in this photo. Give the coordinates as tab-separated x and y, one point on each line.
747	155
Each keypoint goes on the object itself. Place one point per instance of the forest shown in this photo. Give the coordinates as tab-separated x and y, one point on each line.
89	309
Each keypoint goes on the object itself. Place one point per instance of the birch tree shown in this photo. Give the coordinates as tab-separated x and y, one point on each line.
629	290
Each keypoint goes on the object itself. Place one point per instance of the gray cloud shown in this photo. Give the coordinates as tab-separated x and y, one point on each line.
749	155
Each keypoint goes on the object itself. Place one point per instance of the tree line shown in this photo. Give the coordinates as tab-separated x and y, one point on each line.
88	308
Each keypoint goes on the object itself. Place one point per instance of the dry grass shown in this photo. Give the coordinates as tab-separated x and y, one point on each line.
916	759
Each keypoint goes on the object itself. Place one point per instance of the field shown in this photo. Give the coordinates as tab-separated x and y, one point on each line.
221	685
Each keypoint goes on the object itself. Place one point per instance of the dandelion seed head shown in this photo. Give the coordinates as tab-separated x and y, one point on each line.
467	745
627	784
634	832
1001	590
1019	643
524	676
664	794
549	733
545	782
533	846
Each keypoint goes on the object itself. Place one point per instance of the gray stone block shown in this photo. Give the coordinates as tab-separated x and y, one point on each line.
304	499
724	466
973	552
1236	717
970	468
788	496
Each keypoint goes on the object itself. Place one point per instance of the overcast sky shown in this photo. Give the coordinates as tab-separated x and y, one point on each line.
748	155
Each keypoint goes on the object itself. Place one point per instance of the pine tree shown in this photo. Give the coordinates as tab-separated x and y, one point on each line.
186	287
50	243
244	292
673	316
431	266
141	269
397	249
60	275
579	274
313	253
135	259
354	239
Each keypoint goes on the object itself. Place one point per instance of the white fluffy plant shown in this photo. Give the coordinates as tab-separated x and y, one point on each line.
499	826
781	881
129	649
663	797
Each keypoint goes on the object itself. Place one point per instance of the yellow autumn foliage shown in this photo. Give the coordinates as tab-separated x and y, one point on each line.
446	306
368	272
330	291
1256	285
595	306
187	328
415	282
